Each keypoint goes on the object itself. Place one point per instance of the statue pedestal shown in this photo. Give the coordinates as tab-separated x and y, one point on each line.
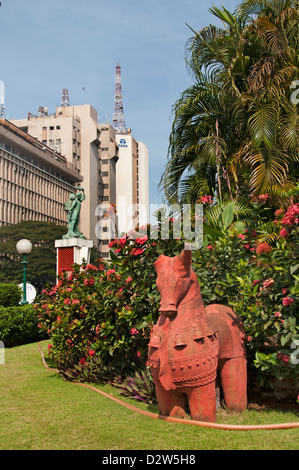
71	251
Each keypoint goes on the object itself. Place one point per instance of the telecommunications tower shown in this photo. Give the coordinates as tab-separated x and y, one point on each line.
65	99
118	121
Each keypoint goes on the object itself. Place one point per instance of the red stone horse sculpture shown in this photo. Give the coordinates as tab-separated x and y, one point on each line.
190	344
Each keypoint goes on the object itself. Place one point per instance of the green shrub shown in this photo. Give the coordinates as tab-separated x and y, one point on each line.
18	325
10	294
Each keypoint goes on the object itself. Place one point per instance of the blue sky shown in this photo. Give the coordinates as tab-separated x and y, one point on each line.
50	45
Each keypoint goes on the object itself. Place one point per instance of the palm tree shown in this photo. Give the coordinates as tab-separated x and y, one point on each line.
235	130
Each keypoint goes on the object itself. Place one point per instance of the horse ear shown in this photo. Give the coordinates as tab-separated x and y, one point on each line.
185	259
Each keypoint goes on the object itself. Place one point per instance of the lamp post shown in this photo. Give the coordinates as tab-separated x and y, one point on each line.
24	247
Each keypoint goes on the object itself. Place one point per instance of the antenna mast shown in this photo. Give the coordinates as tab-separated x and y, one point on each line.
65	100
118	121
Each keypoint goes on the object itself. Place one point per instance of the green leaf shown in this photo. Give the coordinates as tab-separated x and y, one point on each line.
294	268
285	338
227	216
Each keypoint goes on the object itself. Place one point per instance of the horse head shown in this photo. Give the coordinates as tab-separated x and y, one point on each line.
174	280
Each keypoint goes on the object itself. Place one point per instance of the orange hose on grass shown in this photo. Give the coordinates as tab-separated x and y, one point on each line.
229	427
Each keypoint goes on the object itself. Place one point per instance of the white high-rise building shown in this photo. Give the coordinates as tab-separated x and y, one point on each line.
132	187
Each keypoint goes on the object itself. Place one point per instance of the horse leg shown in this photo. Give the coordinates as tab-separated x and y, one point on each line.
171	403
202	402
233	375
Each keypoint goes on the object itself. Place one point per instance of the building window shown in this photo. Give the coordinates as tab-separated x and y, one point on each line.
105	173
105	198
105	149
105	162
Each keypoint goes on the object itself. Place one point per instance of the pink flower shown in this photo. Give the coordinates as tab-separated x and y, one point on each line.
58	319
91	353
128	279
283	233
209	247
75	301
122	240
291	216
248	339
284	291
287	301
50	346
110	271
133	331
277	314
268	283
138	354
255	282
242	236
206	199
117	250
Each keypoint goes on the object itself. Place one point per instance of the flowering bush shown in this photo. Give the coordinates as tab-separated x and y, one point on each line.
99	318
260	281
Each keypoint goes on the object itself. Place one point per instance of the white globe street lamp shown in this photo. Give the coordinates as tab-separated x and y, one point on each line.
24	247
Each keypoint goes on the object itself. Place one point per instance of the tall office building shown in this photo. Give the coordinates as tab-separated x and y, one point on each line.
132	190
35	181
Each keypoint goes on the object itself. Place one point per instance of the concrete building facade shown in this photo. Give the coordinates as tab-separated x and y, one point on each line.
35	181
74	132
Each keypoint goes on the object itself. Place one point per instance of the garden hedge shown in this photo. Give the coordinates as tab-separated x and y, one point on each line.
18	325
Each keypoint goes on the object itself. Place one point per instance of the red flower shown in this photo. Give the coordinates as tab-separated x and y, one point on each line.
82	361
128	279
67	301
137	251
263	248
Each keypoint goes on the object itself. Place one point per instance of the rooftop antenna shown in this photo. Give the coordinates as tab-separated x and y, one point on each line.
65	100
118	121
2	95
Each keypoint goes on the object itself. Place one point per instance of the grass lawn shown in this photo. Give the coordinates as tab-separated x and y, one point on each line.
41	411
